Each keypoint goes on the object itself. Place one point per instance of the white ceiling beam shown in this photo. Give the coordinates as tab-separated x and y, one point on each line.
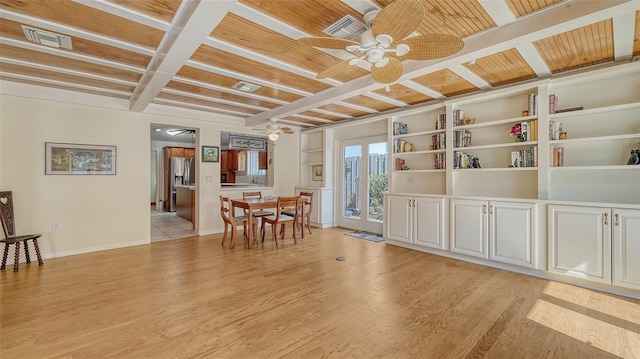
191	26
361	6
311	118
58	70
41	80
422	89
232	91
27	45
531	55
213	99
470	76
499	11
74	32
123	12
243	77
196	106
381	98
356	107
560	19
204	115
623	35
330	113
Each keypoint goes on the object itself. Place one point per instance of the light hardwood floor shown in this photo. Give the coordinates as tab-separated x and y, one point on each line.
193	298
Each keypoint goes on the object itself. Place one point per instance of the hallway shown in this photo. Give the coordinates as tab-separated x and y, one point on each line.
167	225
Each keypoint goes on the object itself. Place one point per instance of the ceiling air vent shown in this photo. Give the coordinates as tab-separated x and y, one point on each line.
346	28
47	38
245	86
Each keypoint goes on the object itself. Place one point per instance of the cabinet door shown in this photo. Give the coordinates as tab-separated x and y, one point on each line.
512	233
626	248
176	151
469	227
232	160
242	160
428	223
262	160
223	160
398	218
190	152
580	242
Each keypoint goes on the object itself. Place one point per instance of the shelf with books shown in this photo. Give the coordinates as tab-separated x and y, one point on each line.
399	154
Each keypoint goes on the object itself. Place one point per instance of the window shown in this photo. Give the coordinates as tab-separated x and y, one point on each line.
252	164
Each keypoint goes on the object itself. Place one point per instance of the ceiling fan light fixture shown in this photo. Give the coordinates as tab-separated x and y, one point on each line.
402	49
273	136
355	61
384	39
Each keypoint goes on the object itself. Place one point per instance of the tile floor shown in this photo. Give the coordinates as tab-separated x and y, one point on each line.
167	225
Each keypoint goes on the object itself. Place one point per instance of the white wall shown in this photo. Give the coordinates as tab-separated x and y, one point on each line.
97	212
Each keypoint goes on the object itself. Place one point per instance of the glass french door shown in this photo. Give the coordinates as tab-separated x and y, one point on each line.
364	179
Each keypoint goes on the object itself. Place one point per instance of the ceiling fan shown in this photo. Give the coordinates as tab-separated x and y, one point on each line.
387	32
274	130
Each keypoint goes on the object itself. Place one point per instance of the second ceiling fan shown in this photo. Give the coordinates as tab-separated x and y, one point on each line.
387	34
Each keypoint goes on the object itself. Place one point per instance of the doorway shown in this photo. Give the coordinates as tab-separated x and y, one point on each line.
364	177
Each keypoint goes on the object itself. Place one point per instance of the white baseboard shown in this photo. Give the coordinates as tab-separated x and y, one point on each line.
106	247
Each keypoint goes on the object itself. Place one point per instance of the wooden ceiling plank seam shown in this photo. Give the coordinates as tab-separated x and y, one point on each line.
68	84
75	32
123	12
528	29
423	89
243	77
213	99
531	55
71	55
240	51
311	118
470	76
192	24
233	91
66	71
499	11
195	105
331	113
357	107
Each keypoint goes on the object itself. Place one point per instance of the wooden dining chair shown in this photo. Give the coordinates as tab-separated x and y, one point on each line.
9	226
229	219
285	204
257	213
304	212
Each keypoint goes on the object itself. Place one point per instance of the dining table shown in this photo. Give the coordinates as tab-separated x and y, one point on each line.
252	204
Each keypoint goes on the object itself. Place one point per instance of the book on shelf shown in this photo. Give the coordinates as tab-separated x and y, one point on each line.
526	157
458	116
461	138
463	160
399	128
532	105
553	103
533	133
557	156
439	160
555	127
438	142
524	131
441	122
398	164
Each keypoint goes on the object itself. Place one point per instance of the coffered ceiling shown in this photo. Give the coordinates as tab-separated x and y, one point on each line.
167	56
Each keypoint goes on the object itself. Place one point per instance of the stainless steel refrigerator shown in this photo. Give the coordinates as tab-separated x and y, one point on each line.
182	172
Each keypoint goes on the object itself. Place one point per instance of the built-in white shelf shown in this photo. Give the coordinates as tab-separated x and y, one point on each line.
398	154
496	169
497	145
590	111
595	139
414	171
496	123
421	133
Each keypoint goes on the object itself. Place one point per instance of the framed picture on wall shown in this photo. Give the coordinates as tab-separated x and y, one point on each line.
210	154
316	172
239	142
78	159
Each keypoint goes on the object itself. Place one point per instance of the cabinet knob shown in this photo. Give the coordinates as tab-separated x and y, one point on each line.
606	219
484	209
617	223
490	209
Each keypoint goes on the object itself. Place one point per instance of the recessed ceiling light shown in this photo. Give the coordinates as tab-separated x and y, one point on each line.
158	130
245	86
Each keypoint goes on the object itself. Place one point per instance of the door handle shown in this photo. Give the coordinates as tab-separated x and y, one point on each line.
606	219
617	223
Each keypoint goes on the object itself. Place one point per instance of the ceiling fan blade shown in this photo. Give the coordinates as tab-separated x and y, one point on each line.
286	130
389	73
435	46
398	19
334	70
328	42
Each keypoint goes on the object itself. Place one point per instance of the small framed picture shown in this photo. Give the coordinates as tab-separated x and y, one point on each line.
316	172
210	154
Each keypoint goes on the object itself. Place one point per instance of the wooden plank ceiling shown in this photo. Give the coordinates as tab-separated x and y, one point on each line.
190	55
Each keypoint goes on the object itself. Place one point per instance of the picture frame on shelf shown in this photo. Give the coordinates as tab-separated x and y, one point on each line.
79	159
317	172
210	154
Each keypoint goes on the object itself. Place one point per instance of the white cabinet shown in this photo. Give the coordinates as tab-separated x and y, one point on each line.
497	230
417	220
626	248
580	242
322	206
